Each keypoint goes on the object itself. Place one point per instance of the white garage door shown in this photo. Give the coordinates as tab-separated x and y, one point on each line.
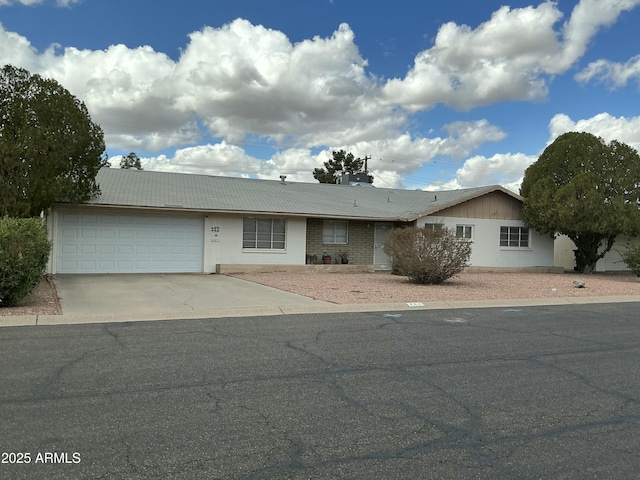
89	242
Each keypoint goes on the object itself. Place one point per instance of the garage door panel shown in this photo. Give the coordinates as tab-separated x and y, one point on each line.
121	243
88	265
108	266
107	249
125	249
91	249
69	265
69	249
69	233
125	265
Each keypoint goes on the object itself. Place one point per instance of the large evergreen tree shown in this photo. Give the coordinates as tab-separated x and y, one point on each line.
586	189
50	150
131	161
340	163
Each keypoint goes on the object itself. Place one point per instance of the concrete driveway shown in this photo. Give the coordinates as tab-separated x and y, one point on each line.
157	296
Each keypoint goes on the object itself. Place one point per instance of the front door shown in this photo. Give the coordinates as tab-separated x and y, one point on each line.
381	260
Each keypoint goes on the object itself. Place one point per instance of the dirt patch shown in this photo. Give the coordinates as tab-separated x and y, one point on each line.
43	300
347	288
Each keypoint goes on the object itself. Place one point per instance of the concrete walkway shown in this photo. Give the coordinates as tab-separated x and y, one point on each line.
125	298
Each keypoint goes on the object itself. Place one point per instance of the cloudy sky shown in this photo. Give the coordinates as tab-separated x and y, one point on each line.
440	95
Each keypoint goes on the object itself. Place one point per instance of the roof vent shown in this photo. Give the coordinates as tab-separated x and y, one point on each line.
282	179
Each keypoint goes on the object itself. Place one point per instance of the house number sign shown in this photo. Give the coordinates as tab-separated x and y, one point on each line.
215	234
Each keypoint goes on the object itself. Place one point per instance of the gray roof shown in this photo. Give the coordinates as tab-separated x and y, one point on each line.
178	191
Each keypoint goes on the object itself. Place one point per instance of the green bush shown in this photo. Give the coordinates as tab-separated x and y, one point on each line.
24	252
427	256
632	258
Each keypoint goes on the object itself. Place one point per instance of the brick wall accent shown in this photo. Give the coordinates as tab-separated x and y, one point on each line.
359	246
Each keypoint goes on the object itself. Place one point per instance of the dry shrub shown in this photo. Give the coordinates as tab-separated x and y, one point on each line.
427	256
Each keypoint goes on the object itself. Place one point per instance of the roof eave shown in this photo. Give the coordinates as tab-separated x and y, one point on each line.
479	193
176	208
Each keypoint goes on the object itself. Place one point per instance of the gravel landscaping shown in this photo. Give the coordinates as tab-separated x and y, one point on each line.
354	288
348	288
43	300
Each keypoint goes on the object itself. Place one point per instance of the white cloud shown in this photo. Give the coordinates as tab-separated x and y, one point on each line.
390	159
587	18
59	3
625	130
129	92
506	169
237	79
219	159
21	2
464	137
615	75
508	57
245	78
243	81
17	50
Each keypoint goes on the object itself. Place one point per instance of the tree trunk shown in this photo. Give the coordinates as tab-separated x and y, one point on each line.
586	252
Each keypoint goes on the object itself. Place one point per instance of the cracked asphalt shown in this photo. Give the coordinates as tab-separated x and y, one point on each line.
491	393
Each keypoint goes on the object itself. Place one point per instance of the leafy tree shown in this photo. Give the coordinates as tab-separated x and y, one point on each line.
586	189
24	251
131	161
341	163
49	148
631	256
427	256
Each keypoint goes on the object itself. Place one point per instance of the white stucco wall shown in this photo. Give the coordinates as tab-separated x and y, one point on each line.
223	243
563	255
486	250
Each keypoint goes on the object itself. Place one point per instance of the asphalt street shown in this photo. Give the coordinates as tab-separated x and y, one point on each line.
492	393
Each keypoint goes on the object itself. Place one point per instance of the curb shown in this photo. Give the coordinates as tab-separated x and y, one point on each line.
270	310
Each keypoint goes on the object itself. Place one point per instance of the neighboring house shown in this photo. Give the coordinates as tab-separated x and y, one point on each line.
145	222
611	262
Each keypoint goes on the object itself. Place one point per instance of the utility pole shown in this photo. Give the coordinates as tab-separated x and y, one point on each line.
366	166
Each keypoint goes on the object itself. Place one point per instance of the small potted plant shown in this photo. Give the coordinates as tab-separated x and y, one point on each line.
344	257
326	258
311	259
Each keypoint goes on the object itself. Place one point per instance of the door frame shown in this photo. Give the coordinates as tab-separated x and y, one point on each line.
386	262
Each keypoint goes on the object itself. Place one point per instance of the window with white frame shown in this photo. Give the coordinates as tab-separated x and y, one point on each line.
514	237
464	231
264	233
434	227
335	231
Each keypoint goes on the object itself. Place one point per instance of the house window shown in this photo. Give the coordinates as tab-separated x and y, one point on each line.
464	231
263	233
514	237
335	231
434	227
